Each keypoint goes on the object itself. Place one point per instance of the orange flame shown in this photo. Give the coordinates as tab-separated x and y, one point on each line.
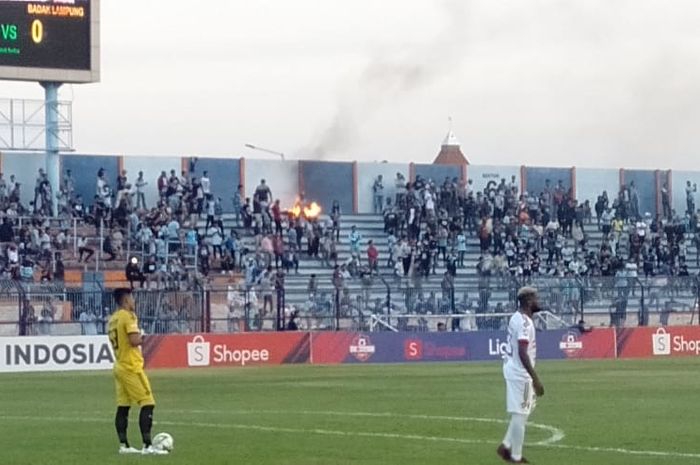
295	211
310	212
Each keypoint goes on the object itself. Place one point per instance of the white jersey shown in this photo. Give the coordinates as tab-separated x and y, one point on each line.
520	328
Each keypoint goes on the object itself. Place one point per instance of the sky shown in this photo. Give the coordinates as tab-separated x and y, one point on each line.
590	83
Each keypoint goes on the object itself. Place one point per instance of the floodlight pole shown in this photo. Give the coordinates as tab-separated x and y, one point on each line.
52	141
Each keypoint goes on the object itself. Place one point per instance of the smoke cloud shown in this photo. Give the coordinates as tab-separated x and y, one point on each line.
391	78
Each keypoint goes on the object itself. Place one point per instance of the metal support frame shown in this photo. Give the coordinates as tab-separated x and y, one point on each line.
23	124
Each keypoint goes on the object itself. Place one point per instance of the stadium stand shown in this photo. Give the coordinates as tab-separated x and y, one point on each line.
423	240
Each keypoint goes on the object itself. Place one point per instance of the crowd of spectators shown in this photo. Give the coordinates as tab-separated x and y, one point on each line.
533	234
181	239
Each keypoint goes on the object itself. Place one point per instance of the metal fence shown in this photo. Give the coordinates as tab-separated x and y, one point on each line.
55	310
476	304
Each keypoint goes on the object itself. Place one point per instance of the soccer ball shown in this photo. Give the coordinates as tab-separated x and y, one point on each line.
163	441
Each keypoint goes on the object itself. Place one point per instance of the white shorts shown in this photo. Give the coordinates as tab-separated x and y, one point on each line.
520	396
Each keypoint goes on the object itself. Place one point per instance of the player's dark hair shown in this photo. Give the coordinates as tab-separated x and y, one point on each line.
525	298
119	294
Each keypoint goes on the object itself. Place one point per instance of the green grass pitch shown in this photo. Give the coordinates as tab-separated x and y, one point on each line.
611	412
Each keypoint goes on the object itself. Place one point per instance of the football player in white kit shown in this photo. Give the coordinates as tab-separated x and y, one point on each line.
522	382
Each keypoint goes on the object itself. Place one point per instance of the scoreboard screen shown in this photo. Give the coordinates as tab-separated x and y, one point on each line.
47	35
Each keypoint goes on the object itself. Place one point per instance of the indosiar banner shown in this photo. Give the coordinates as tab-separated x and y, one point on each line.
55	353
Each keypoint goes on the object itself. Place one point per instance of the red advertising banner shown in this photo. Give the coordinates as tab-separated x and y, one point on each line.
598	343
212	350
671	341
246	349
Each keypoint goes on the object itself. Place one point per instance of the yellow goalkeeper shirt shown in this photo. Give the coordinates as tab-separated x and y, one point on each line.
121	324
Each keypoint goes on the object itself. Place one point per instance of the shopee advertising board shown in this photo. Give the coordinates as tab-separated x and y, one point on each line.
211	350
671	341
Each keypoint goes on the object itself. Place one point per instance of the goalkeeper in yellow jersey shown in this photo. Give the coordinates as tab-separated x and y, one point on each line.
131	383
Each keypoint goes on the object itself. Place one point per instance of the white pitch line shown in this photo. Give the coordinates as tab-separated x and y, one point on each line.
648	453
618	450
273	429
556	433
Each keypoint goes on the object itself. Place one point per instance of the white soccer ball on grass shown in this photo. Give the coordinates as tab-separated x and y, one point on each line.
163	441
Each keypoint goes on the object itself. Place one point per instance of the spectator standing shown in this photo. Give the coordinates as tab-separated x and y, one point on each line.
162	184
266	285
690	191
14	194
400	185
335	218
338	280
378	191
461	248
600	206
392	243
312	287
122	187
237	202
88	322
277	216
634	202
46	319
68	185
263	195
101	183
666	201
6	232
372	257
355	238
140	192
278	248
211	210
38	189
205	182
267	249
3	189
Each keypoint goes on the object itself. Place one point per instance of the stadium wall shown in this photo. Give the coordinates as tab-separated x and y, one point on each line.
438	173
25	166
678	184
645	182
281	176
324	182
151	167
482	175
591	182
84	170
367	173
535	178
224	173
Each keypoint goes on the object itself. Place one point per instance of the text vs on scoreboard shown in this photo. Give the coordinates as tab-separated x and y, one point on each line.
54	34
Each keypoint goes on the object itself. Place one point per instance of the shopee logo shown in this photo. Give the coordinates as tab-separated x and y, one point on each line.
413	349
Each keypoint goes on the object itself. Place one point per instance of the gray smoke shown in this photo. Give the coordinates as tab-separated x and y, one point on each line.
391	78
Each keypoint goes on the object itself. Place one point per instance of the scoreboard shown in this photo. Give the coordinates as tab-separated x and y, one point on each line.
49	40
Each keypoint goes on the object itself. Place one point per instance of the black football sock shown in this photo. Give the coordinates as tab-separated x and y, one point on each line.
121	422
145	423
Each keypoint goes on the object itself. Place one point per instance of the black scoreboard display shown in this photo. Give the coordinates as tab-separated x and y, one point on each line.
47	34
